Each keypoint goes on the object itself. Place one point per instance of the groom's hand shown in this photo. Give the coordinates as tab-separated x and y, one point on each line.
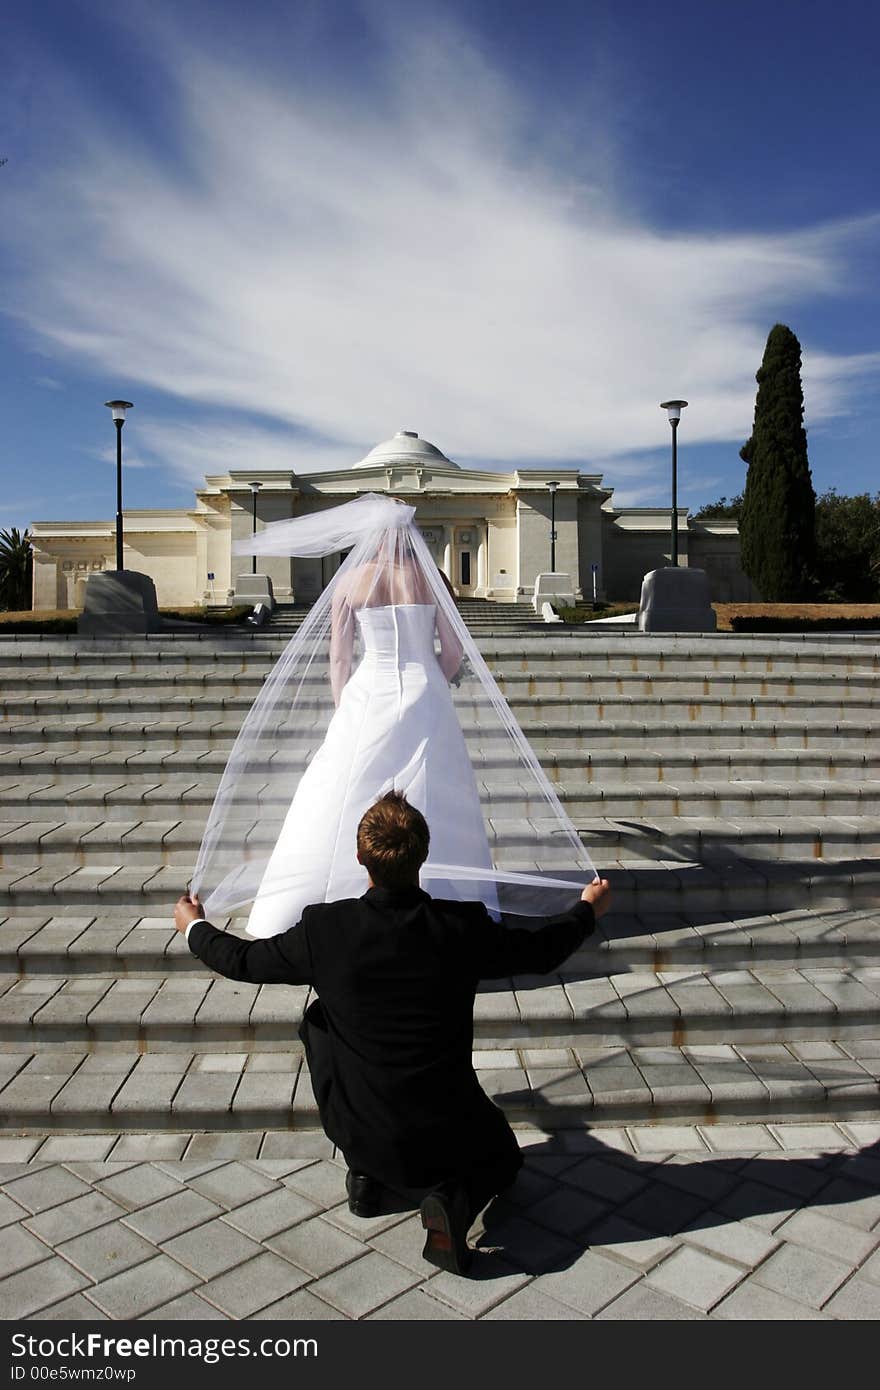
598	894
187	909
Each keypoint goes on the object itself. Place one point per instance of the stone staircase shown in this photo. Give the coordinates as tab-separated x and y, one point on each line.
483	617
727	785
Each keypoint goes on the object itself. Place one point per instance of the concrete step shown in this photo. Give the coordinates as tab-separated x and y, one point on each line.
47	690
663	885
119	945
598	652
763	1004
538	705
641	808
561	1087
30	843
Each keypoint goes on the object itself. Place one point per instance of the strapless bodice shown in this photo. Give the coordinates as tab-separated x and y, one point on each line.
399	632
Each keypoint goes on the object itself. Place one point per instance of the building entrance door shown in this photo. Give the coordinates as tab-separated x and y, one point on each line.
465	577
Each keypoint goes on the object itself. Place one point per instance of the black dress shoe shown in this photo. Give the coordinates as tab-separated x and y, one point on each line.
446	1217
364	1194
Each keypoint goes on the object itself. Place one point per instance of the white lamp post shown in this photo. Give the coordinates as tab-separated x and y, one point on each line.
673	410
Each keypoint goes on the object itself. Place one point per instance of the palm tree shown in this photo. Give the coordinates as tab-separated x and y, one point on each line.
16	569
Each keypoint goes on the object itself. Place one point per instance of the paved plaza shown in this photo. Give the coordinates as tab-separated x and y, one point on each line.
667	1222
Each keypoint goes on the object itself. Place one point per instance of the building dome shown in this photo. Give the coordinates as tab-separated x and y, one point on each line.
405	447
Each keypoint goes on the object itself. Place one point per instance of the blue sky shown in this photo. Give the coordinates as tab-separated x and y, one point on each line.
286	230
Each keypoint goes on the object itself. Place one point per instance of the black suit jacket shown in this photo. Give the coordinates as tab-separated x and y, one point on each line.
396	972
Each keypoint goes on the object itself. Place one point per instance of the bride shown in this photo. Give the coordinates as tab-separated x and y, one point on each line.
360	703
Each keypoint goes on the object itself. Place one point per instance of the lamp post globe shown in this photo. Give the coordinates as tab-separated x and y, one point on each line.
673	410
552	488
254	487
119	408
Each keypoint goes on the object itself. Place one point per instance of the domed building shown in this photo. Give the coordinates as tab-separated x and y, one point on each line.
488	531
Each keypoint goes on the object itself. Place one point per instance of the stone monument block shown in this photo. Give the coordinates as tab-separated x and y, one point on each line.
119	603
676	600
553	588
254	589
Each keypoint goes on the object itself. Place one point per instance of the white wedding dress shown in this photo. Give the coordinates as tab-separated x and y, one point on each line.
395	727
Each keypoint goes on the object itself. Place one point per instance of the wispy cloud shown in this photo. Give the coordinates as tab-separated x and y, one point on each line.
346	267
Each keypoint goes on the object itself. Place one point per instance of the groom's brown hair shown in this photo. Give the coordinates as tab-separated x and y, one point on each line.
392	841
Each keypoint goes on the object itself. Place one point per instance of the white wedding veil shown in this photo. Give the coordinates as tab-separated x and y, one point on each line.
498	822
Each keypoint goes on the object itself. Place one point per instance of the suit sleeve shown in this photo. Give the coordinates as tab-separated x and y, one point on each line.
503	951
283	959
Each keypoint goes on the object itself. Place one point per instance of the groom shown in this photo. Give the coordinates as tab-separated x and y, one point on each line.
389	1040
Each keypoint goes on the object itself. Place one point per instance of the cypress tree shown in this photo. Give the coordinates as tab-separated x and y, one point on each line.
778	523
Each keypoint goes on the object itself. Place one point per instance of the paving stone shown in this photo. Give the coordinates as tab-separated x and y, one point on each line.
38	1286
146	1092
232	1184
415	1306
73	1309
621	1239
172	1215
322	1182
204	1093
74	1218
829	1237
861	1133
88	1094
271	1213
536	1306
758	1204
750	1301
667	1139
17	1150
793	1136
243	1291
698	1278
711	1181
801	1274
261	1091
146	1286
735	1240
187	1308
273	1062
744	1138
566	1212
10	1211
358	1288
48	1187
147	1148
301	1306
857	1299
589	1283
525	1245
211	1248
18	1249
851	1202
106	1250
296	1145
317	1246
641	1303
139	1186
662	1210
224	1146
